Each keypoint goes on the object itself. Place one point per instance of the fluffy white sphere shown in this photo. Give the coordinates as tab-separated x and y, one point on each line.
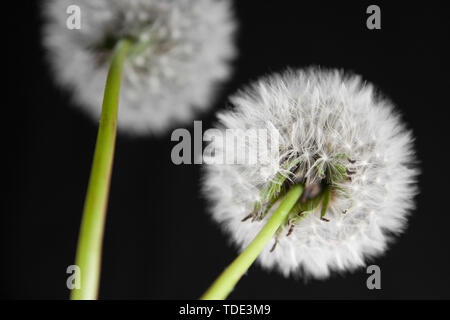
188	45
325	120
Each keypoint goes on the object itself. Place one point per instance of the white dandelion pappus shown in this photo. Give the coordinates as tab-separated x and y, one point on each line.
182	52
334	129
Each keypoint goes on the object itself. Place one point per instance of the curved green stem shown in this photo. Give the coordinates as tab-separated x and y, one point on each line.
89	250
225	283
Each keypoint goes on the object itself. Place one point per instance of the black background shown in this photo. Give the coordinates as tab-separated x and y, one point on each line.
160	242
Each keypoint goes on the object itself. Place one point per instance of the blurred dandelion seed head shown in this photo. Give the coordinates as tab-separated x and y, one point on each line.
181	52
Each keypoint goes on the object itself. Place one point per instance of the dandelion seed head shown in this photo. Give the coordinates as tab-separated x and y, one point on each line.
181	53
309	109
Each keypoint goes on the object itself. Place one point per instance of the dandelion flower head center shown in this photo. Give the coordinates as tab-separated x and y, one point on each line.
329	167
156	33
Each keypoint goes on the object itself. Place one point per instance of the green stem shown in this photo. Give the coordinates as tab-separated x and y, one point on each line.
225	283
89	250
